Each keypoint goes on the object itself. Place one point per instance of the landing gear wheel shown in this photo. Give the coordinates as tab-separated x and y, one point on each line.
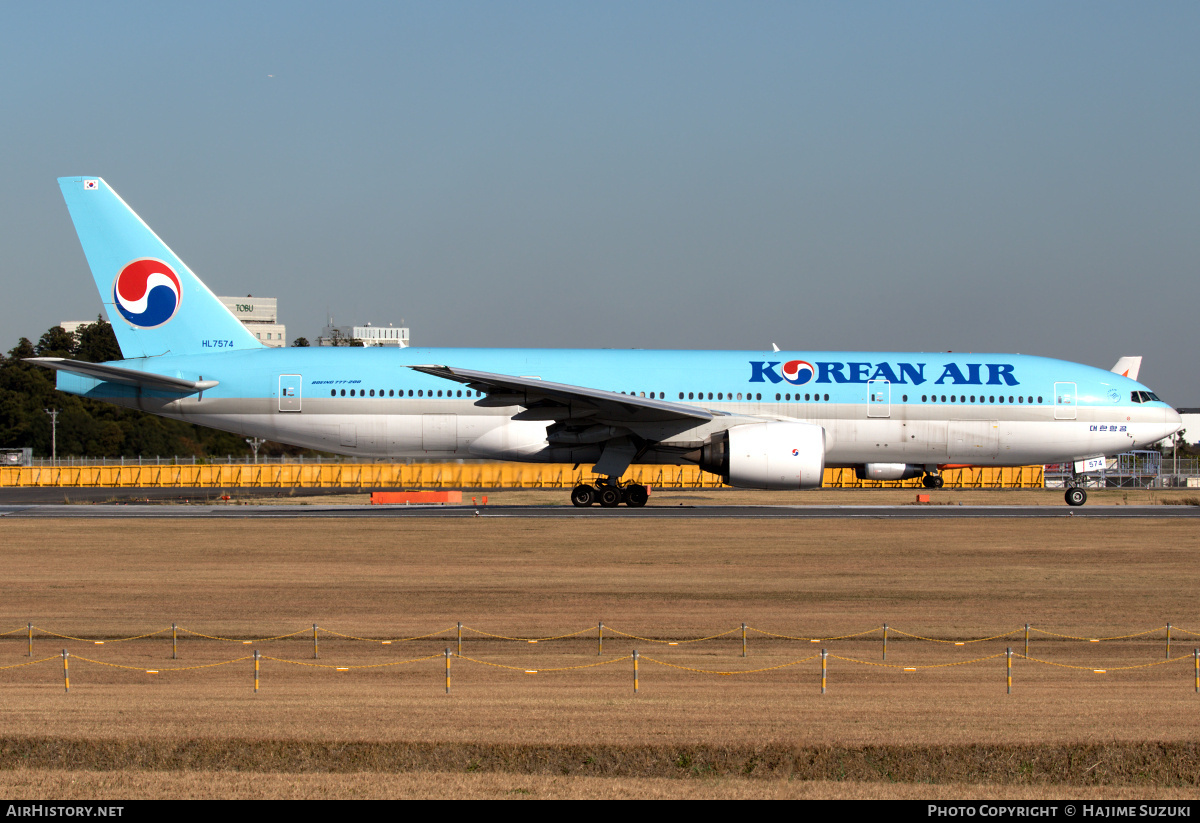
583	496
609	496
933	481
1076	496
636	495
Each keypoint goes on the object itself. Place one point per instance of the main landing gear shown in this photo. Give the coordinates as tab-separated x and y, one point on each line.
610	494
933	481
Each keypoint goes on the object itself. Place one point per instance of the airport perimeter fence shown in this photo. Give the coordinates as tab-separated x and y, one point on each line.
454	635
467	476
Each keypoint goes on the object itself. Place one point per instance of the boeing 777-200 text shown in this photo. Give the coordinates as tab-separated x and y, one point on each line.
760	420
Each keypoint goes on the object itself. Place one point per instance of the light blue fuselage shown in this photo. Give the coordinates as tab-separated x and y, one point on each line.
921	408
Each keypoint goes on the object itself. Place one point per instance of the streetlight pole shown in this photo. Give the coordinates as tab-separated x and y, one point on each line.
53	435
255	443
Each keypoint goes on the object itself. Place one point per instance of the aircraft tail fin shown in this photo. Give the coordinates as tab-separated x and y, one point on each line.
1128	367
155	303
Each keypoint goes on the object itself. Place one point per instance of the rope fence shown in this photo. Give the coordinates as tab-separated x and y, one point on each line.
633	657
456	632
600	628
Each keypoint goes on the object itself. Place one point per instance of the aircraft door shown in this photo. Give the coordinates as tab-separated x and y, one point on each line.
879	398
1064	401
289	392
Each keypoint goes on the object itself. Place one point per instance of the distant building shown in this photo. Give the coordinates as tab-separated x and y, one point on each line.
368	335
1191	424
16	457
260	316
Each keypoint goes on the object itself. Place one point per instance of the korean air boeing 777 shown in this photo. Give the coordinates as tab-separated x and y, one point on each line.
760	420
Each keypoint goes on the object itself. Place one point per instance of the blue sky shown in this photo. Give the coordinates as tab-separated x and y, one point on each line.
879	176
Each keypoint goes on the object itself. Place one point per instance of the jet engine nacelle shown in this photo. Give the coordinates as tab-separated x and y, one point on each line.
767	455
888	471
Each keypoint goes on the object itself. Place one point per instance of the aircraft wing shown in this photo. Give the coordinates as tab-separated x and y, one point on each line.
542	395
117	374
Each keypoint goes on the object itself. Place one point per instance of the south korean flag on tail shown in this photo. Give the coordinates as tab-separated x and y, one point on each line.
91	185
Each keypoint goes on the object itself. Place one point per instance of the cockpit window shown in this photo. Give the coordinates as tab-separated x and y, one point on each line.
1144	397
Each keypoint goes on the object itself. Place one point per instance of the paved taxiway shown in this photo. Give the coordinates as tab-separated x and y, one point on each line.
653	512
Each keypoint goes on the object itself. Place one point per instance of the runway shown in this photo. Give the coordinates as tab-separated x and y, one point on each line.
911	512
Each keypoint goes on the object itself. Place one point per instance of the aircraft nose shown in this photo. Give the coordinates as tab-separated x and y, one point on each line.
1174	422
1158	425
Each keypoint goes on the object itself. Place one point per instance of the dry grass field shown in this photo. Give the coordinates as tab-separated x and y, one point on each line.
385	728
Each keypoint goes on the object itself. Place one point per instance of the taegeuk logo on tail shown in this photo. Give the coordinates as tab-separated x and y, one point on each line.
147	293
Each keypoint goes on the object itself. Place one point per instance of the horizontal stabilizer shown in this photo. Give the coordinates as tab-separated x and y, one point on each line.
1128	367
128	377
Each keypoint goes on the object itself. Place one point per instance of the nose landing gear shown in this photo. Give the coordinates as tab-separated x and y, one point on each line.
609	494
1075	495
